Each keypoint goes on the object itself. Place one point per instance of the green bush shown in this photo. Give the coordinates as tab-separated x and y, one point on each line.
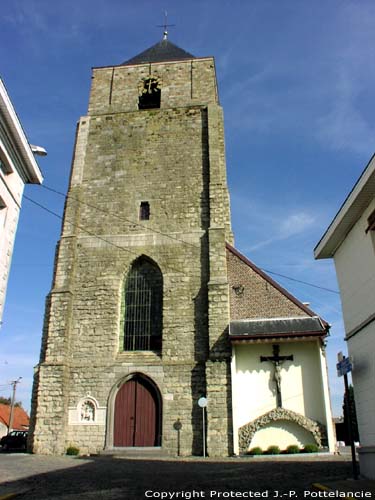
310	448
72	450
292	449
255	451
273	450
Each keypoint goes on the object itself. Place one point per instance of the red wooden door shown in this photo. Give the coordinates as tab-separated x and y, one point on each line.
135	415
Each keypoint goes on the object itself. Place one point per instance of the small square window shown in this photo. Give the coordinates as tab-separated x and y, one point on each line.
144	210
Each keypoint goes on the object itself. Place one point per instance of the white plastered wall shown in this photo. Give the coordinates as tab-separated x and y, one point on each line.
304	390
355	267
11	189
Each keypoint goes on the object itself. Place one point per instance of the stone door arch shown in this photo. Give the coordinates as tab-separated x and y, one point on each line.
135	413
247	431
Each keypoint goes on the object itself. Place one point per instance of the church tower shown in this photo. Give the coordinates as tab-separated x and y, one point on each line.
136	324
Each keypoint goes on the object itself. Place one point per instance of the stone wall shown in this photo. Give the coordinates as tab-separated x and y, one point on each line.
184	83
173	158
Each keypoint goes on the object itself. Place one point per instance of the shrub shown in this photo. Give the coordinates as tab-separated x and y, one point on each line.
273	450
72	450
293	448
255	451
310	448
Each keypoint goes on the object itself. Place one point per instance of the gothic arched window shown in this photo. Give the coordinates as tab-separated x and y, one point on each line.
143	307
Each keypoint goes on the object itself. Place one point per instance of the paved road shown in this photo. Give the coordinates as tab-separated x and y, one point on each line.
67	478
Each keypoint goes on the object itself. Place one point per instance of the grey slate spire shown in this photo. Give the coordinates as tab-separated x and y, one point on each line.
160	52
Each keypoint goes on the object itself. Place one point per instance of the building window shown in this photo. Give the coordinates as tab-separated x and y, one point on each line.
149	93
3	213
4	167
371	222
143	307
144	210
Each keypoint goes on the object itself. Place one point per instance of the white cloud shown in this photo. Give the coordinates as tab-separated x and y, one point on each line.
285	228
295	224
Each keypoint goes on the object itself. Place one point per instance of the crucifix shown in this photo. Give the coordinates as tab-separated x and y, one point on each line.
165	25
277	360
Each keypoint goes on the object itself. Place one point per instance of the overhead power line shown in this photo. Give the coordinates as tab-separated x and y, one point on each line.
300	281
124	249
114	214
160	232
76	225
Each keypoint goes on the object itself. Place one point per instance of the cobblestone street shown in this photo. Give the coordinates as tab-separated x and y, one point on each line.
41	477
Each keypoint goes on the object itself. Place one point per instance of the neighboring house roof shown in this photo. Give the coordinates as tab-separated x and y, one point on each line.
14	144
351	210
20	417
261	308
160	52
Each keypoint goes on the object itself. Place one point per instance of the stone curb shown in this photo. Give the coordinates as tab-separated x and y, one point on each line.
14	494
237	459
322	487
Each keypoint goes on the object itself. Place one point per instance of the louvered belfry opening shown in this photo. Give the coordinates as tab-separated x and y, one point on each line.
143	307
150	94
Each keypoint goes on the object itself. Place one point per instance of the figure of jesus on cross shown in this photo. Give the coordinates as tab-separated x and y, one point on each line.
277	361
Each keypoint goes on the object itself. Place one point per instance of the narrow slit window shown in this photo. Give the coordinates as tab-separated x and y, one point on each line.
144	210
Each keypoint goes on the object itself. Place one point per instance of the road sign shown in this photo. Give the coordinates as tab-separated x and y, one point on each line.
344	367
202	402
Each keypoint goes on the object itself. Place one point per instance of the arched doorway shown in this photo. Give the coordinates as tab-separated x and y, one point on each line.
137	414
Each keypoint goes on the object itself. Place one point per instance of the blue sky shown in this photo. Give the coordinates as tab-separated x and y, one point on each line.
297	84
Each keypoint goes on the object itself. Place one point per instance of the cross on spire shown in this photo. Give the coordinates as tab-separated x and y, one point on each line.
165	25
277	360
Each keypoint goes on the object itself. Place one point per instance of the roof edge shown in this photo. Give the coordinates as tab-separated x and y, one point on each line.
172	61
275	335
344	220
30	170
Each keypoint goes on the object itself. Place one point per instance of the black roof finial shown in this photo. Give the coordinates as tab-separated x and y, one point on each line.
165	25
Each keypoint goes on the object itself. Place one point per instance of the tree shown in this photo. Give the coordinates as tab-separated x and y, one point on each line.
352	417
7	401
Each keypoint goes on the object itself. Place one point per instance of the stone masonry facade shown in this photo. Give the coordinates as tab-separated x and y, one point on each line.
172	157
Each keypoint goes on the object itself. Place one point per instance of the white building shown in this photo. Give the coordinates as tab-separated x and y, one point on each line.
17	167
280	391
350	240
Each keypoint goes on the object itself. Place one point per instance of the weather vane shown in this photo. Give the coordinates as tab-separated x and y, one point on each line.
165	25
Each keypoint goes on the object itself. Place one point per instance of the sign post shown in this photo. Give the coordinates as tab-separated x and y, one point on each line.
202	403
344	366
